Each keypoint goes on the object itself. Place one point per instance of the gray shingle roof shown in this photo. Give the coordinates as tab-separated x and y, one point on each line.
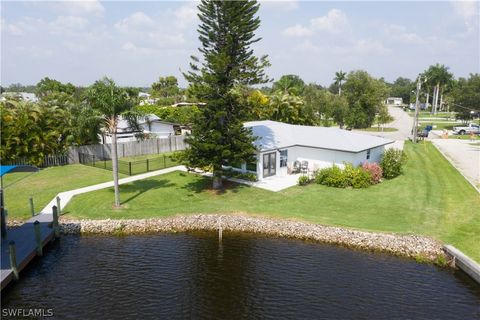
275	135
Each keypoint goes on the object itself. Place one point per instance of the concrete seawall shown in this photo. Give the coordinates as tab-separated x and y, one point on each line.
412	246
461	261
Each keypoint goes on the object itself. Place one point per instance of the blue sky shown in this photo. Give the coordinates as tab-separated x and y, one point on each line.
136	42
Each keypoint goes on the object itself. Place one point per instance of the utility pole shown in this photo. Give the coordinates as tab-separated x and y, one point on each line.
417	109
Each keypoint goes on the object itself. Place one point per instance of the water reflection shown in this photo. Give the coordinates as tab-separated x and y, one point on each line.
245	276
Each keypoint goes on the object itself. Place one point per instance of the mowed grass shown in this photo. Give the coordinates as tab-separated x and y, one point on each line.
138	164
431	198
44	185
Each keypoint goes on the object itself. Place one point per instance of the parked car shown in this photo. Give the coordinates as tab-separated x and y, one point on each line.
472	127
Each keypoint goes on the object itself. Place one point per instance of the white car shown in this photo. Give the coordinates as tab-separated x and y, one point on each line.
472	127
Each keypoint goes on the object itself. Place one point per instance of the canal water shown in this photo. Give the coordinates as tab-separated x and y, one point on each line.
191	276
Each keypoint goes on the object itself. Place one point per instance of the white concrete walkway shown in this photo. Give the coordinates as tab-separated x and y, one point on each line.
274	183
66	196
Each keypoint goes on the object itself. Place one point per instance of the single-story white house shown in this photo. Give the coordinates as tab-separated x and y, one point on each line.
394	101
25	96
280	145
150	125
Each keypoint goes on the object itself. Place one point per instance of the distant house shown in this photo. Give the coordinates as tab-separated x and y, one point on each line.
25	96
146	98
280	145
186	104
150	126
394	101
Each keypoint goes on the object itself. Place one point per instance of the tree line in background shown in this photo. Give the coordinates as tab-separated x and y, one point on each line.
63	115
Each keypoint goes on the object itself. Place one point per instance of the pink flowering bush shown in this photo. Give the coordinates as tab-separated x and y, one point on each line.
376	172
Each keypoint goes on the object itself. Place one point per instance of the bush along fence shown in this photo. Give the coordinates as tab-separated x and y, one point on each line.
133	167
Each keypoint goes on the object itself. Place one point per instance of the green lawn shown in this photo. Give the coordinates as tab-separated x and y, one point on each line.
431	198
44	185
138	164
463	137
440	125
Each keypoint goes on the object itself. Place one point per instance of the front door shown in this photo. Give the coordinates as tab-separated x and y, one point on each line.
269	164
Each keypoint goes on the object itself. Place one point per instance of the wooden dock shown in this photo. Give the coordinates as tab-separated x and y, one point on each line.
25	245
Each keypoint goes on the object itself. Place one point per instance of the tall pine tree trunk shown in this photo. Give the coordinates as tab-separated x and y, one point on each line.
115	168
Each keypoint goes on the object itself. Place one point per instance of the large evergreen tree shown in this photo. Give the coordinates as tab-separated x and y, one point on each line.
226	32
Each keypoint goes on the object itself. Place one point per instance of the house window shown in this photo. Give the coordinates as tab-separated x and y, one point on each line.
283	158
368	154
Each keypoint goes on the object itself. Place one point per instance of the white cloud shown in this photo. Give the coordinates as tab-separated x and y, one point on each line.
64	24
186	15
465	9
297	31
79	7
282	5
15	30
401	34
137	21
356	48
469	12
371	47
334	21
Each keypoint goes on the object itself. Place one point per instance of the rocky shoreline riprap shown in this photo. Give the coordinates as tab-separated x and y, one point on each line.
402	245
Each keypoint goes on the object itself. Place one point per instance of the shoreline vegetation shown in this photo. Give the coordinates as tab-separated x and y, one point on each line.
420	248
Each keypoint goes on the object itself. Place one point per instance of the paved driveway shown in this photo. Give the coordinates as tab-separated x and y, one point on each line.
465	156
402	121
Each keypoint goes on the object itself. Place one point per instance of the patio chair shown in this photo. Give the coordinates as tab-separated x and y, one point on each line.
297	167
304	166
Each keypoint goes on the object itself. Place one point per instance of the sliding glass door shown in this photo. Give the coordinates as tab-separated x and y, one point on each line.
269	164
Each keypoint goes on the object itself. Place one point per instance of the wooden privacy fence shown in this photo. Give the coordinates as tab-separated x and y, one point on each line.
104	151
129	149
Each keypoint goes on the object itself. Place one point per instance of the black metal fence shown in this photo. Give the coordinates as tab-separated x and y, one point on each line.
133	167
48	161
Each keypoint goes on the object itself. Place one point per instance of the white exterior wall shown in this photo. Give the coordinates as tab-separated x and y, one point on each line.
159	129
319	158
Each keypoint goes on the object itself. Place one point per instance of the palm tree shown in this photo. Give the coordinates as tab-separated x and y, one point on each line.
112	102
339	77
438	76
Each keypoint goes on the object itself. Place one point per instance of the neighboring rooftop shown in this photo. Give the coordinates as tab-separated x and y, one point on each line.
123	123
274	135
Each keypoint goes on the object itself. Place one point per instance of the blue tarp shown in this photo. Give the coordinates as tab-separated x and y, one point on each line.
21	168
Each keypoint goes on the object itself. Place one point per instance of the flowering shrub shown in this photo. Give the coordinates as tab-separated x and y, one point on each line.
376	172
392	163
343	178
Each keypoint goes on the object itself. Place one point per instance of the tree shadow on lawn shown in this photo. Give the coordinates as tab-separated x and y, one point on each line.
204	184
142	186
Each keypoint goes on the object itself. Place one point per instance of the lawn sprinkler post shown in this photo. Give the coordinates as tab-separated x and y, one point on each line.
220	231
32	207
